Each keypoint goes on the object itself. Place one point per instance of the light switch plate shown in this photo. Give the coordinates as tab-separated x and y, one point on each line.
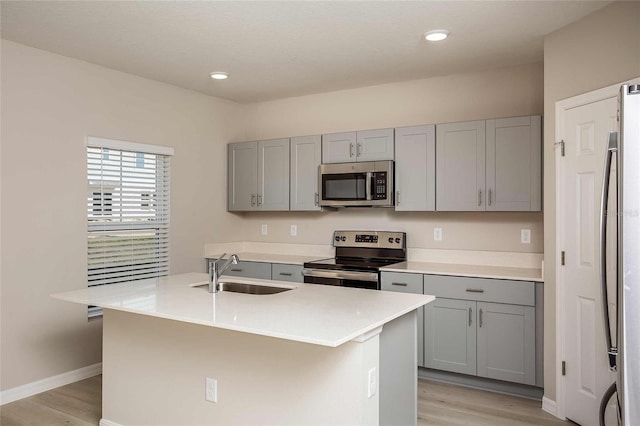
264	229
211	390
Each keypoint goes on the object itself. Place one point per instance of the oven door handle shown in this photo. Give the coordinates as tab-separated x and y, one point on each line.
344	275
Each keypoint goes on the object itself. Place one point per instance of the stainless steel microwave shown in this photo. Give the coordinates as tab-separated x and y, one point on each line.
365	184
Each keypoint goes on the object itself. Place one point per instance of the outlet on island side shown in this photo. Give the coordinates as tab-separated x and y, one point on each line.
372	383
211	389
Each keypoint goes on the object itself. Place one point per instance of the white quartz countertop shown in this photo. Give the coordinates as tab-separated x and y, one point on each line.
476	271
271	257
310	313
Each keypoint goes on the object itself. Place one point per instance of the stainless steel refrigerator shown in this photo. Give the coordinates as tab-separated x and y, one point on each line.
622	328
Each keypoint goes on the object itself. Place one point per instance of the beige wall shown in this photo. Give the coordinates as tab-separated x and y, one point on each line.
497	93
49	105
600	50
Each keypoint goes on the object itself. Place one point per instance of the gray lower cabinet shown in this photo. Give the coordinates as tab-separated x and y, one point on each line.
407	283
483	327
450	335
286	272
246	269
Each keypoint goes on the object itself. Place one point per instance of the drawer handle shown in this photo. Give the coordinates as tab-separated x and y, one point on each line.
236	270
286	274
480	320
470	314
400	284
475	290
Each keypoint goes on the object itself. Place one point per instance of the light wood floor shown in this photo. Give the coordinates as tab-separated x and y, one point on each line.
79	404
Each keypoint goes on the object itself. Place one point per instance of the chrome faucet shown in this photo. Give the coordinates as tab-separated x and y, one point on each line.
215	271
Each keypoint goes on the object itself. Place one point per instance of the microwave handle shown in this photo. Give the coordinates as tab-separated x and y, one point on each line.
369	183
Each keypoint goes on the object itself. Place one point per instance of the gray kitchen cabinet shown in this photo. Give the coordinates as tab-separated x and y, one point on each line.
506	342
415	166
514	164
258	175
492	165
480	326
286	272
248	269
407	283
450	335
366	145
306	156
460	166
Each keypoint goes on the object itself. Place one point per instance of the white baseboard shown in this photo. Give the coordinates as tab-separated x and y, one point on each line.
49	383
105	422
549	406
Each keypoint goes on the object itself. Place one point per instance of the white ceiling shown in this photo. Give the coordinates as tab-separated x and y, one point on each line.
282	49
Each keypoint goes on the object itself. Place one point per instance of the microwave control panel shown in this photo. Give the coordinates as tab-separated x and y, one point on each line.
379	185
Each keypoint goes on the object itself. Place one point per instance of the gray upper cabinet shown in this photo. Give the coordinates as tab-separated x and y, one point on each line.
242	179
415	150
367	145
460	166
492	165
305	157
258	175
514	164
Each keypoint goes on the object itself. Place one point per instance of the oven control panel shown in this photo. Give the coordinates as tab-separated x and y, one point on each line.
381	239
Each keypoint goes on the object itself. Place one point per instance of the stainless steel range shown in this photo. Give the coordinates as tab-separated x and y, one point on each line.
359	257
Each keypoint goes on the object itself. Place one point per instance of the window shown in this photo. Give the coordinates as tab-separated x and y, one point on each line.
127	212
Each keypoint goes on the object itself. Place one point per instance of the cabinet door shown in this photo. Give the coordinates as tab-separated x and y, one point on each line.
415	150
450	335
273	174
339	147
507	342
407	283
460	166
513	164
242	179
247	269
286	272
305	159
374	145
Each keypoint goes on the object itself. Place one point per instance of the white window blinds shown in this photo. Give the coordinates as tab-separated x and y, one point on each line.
127	211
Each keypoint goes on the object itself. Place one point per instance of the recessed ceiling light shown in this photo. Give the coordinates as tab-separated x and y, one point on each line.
219	75
436	35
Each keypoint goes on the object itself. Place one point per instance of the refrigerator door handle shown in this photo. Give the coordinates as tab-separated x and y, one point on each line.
612	147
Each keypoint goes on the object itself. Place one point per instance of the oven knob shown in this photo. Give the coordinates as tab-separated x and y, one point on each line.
343	238
390	239
337	238
398	240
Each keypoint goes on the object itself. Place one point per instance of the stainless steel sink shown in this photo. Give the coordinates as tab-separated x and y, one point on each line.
236	287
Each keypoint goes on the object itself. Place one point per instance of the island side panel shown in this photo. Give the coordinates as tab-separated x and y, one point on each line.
399	372
154	373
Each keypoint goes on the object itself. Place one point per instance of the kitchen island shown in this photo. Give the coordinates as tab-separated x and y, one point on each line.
310	355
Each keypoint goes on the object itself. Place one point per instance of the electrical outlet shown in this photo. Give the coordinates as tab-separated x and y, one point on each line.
525	236
437	234
264	229
211	390
373	383
294	230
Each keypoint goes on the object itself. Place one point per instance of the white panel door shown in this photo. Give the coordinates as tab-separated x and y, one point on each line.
585	134
273	174
374	145
305	159
339	147
460	166
415	150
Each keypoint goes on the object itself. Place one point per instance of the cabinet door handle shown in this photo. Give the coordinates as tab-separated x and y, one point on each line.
236	270
253	200
470	314
317	198
286	274
358	149
397	198
350	150
479	197
400	284
475	290
259	200
489	202
480	319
